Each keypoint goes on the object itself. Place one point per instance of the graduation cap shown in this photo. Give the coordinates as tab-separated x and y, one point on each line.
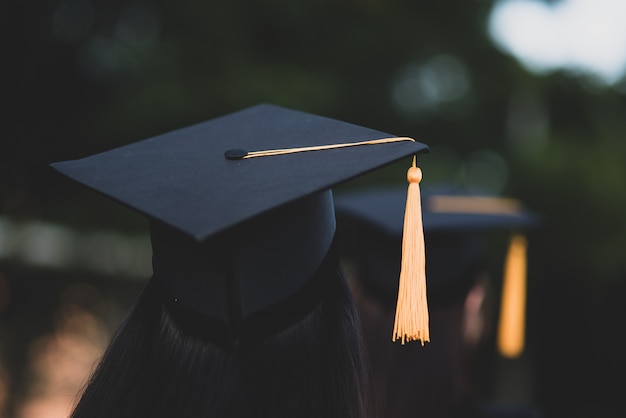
241	214
454	222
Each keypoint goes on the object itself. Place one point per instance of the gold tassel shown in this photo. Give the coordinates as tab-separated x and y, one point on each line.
411	321
511	328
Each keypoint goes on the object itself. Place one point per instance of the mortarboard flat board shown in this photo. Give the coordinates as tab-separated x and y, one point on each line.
264	223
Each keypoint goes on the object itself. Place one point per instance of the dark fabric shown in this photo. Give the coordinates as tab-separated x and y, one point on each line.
250	267
237	330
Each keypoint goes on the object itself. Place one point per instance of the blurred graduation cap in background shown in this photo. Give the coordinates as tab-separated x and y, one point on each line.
370	224
241	214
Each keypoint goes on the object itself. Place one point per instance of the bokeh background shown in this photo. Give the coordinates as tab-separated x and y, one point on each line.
523	98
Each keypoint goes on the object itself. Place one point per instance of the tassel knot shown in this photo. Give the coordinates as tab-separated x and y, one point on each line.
414	175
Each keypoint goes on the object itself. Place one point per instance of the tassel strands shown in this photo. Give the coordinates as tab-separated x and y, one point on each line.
411	321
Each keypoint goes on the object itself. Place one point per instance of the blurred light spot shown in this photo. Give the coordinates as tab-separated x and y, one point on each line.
45	245
55	246
130	257
527	123
114	254
474	315
72	20
485	171
59	363
136	31
421	89
138	26
587	36
101	58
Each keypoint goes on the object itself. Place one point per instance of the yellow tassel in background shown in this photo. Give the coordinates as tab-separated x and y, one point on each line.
411	322
511	329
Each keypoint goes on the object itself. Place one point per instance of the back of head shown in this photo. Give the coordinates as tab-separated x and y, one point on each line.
161	364
264	336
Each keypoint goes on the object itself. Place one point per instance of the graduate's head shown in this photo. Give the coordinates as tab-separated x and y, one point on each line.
240	207
242	225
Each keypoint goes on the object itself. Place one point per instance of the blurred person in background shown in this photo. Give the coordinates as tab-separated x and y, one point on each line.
433	380
60	362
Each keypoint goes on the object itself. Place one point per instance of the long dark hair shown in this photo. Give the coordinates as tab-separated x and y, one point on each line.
154	368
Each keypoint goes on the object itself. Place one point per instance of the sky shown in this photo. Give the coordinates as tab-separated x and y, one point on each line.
581	36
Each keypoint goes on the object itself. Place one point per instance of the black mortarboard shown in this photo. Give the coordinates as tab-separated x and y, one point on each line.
231	233
371	226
